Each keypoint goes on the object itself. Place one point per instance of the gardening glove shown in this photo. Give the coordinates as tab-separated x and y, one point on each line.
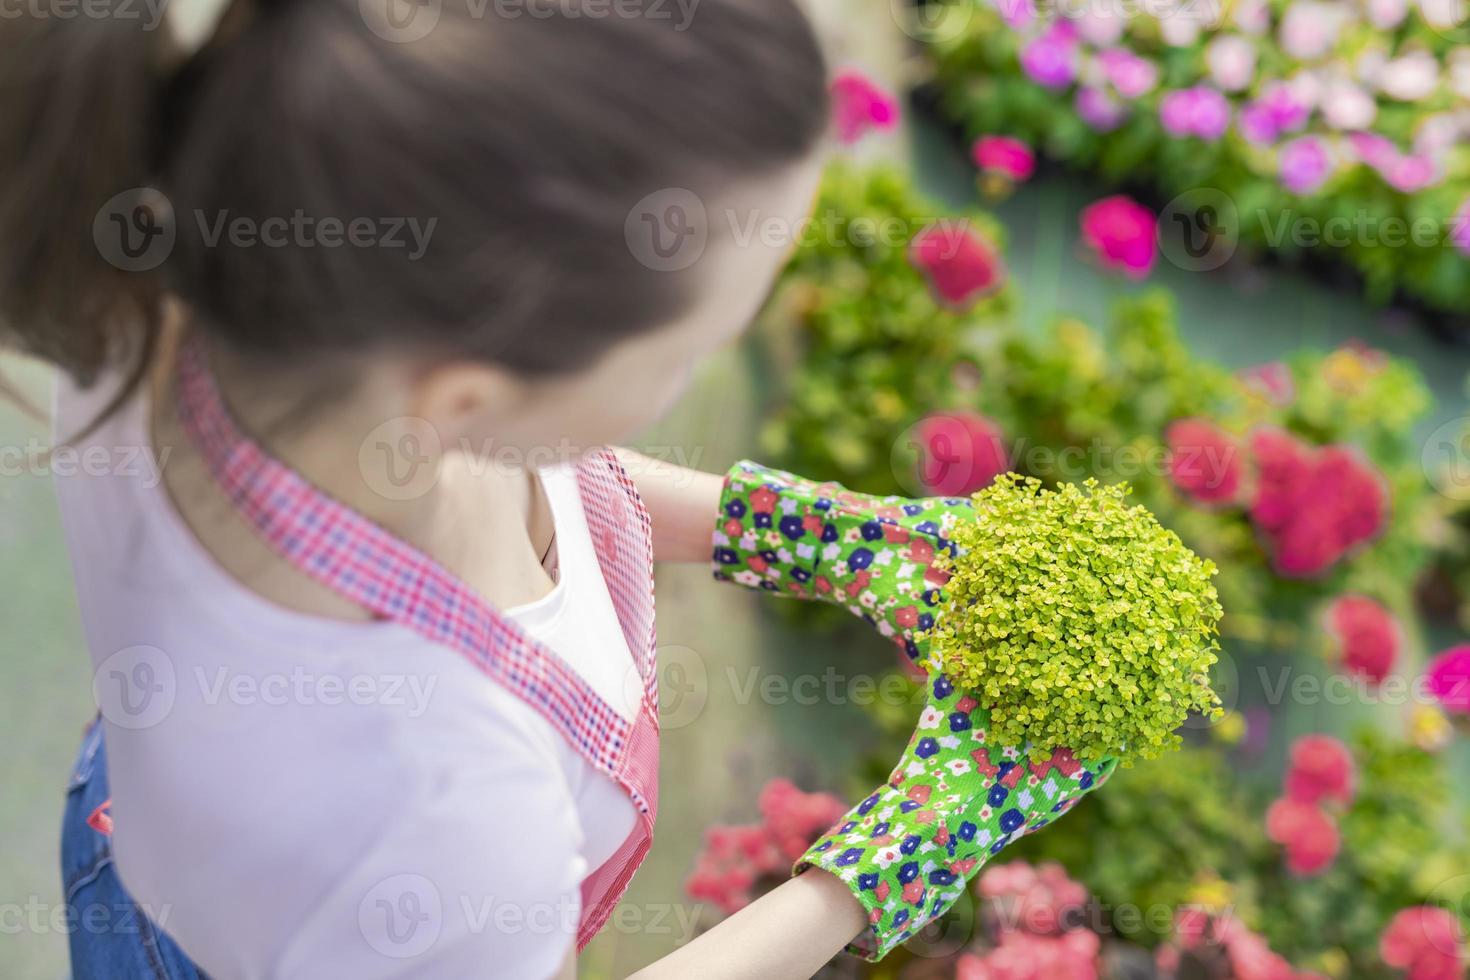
873	556
908	850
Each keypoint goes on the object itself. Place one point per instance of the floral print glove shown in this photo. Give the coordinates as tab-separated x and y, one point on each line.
908	850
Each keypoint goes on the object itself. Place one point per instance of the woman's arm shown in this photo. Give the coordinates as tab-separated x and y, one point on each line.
681	503
787	934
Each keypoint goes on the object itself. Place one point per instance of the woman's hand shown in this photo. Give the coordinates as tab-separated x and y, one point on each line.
954	799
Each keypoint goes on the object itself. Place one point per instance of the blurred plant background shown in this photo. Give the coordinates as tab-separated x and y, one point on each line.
1304	432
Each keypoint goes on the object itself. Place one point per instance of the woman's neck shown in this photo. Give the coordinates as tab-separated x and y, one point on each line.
488	524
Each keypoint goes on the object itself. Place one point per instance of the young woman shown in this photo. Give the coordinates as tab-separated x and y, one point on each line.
374	648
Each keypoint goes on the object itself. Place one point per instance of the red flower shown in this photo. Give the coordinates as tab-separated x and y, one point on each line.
961	267
1321	769
1204	461
1121	234
1004	156
1308	834
1425	941
961	452
1449	679
859	106
1366	636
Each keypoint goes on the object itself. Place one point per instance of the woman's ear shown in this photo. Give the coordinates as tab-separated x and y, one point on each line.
463	398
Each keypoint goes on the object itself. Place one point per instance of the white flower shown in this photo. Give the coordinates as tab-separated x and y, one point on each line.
1459	72
831	551
1409	77
806	552
958	767
885	856
788	505
868	599
1386	14
884	629
783	556
1309	28
1442	14
747	541
906	570
1346	106
1099	25
1232	61
1179	29
1252	16
884	557
839	569
1437	135
747	577
930	718
721	539
852	535
948	741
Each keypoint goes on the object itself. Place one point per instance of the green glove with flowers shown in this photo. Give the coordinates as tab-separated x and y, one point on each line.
1062	631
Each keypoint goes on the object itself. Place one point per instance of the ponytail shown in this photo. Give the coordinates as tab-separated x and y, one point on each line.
77	110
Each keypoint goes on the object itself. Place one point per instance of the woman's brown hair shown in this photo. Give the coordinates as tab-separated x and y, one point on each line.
525	130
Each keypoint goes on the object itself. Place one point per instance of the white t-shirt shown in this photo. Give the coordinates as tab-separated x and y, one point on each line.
295	796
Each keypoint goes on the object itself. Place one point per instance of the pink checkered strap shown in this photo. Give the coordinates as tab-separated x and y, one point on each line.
365	564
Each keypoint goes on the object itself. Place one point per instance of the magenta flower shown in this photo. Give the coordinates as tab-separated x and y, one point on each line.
859	106
1098	109
1004	156
961	267
961	453
1366	636
1449	679
1374	150
1280	109
1121	234
1051	59
1205	462
1130	75
1410	172
1305	165
1321	769
1200	111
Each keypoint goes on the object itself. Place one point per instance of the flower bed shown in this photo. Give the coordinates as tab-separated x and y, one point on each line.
1291	126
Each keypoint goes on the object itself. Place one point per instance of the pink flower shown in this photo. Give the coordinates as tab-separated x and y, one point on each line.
1121	234
1232	61
1130	75
859	107
1449	679
1099	26
960	452
1305	165
1374	150
1004	156
1252	16
1200	111
1425	941
961	267
1309	836
1271	381
1017	14
1051	58
1204	461
1366	636
1281	108
1312	506
1321	769
1410	172
1098	109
